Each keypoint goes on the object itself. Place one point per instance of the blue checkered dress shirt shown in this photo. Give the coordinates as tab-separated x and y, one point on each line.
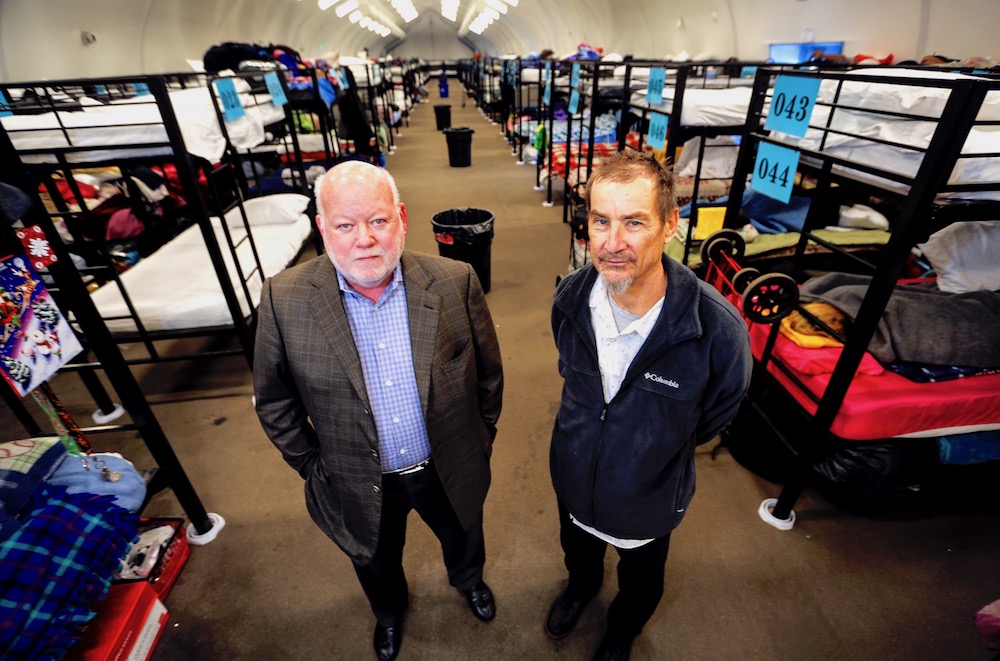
382	336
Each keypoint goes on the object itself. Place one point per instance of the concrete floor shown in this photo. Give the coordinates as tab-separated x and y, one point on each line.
272	586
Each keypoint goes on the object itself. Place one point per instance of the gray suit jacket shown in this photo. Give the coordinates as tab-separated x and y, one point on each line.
312	402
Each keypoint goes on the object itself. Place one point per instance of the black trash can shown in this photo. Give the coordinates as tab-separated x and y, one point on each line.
442	115
459	146
466	235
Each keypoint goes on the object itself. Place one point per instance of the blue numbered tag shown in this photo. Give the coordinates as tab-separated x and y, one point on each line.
574	102
658	130
275	89
548	71
654	88
231	106
574	75
547	94
141	89
342	77
792	105
4	106
100	89
774	171
748	72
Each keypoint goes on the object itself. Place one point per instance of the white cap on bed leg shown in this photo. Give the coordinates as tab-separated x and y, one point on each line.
101	418
196	539
771	520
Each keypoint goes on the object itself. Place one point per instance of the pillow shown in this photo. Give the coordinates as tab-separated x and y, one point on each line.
964	255
277	209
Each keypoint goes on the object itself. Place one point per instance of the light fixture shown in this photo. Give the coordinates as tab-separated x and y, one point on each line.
355	16
326	4
449	9
512	3
346	8
364	22
497	6
405	9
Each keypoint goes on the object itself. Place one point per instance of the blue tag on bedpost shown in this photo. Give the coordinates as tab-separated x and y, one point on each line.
748	72
574	101
654	88
275	89
792	105
658	130
231	106
547	94
141	89
774	171
548	71
342	77
4	106
574	75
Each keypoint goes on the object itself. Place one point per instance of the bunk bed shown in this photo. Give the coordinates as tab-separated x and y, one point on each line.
703	103
62	538
64	138
927	142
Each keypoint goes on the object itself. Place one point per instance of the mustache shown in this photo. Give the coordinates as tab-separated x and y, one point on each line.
604	256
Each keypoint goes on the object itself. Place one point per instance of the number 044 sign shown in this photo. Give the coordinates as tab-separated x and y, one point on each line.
774	171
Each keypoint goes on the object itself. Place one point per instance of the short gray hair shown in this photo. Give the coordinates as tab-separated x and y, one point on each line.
354	165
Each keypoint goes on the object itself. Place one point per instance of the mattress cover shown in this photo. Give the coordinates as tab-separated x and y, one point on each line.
707	106
887	405
177	288
137	121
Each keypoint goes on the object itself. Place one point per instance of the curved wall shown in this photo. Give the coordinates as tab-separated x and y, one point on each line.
42	38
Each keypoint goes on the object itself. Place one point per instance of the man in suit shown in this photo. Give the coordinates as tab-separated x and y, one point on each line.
377	375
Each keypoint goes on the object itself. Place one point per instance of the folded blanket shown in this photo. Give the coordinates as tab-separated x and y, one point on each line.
921	324
24	465
54	567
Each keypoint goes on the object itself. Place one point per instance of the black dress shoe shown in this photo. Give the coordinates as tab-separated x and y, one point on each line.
388	640
613	649
481	602
564	614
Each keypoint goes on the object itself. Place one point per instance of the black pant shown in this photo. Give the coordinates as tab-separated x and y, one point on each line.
464	551
640	575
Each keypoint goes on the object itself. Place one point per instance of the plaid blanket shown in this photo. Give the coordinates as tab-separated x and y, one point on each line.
24	464
54	567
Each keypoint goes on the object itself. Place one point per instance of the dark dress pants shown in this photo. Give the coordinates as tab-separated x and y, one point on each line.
640	575
464	551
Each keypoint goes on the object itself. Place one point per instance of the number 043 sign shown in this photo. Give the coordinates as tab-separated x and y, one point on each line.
774	171
792	105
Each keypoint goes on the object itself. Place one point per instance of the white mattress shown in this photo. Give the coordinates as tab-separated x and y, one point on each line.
704	106
862	127
138	122
177	288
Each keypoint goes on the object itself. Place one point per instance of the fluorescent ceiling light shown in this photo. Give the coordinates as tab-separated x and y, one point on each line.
355	16
326	4
346	8
512	3
497	5
365	21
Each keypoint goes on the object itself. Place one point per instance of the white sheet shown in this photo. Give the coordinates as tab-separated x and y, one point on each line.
704	106
177	288
858	147
137	122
